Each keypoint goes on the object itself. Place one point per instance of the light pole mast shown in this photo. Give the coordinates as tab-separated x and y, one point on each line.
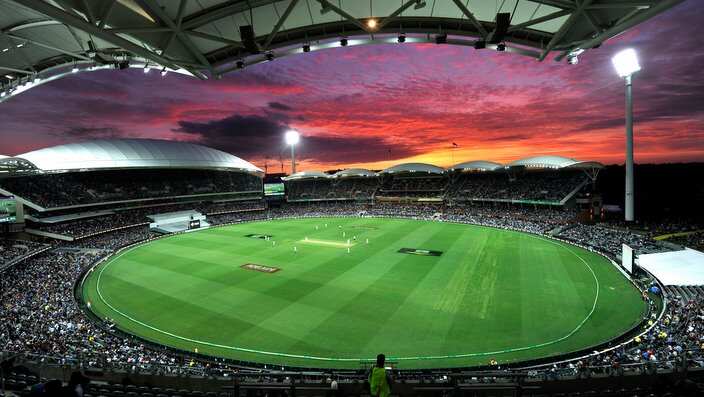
626	64
292	138
293	159
629	150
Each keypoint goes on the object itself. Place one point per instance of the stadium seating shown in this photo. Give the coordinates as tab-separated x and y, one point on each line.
413	186
534	185
12	251
83	188
332	189
42	320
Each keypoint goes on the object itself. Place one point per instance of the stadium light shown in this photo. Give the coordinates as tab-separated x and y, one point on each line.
292	138
626	64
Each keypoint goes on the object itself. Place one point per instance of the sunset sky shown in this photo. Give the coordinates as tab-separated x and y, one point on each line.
372	106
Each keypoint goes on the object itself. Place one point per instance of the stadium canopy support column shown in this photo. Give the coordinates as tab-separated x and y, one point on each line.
629	150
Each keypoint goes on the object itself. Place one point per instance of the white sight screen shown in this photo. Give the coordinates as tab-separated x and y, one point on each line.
627	258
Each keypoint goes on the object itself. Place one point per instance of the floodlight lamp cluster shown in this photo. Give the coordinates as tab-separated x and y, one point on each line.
292	137
626	62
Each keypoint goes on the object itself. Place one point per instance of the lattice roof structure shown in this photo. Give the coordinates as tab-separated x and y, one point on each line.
41	40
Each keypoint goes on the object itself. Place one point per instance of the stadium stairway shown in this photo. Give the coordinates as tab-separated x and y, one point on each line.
686	292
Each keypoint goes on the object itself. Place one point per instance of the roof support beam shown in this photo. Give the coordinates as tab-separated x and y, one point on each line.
279	24
106	14
153	9
637	18
564	4
48	47
33	24
551	16
396	13
621	4
87	10
478	25
592	21
569	23
337	10
21	71
139	29
69	19
175	29
210	37
221	11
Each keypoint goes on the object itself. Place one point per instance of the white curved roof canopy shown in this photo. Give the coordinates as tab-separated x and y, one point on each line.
134	153
586	165
556	162
414	167
305	175
479	165
354	172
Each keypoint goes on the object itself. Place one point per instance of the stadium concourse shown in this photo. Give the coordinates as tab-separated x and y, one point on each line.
81	203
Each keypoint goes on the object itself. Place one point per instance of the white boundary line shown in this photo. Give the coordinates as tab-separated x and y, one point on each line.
289	355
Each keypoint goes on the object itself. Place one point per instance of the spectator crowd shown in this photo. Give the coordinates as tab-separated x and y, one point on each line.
40	316
12	250
91	187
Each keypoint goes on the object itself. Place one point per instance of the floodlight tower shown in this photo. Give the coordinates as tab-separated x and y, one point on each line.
626	64
292	138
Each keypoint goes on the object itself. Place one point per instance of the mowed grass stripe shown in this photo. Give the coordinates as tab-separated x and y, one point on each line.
335	279
361	275
417	306
377	299
220	322
488	290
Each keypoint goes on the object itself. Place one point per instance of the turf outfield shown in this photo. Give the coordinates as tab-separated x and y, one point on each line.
489	293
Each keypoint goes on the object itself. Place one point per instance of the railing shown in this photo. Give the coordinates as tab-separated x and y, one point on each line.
690	359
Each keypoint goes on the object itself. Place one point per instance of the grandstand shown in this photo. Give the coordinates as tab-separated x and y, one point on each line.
349	184
412	181
75	190
90	174
540	180
543	179
90	208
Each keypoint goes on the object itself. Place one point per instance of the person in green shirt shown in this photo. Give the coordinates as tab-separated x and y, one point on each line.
379	380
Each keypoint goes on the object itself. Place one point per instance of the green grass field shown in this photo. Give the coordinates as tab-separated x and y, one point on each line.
491	293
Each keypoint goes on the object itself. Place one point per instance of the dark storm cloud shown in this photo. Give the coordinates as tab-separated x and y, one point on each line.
506	138
279	106
256	136
242	135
